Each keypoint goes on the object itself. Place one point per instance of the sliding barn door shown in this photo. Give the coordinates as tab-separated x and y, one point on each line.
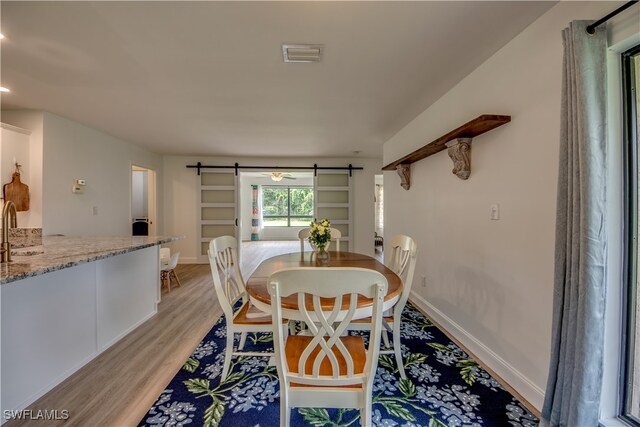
333	200
218	208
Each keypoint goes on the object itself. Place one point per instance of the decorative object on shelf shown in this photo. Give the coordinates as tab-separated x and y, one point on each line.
405	175
319	237
255	219
460	154
16	191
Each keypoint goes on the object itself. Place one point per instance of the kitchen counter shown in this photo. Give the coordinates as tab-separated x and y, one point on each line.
59	252
64	302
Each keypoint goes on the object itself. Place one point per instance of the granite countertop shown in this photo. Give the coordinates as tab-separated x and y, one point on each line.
58	252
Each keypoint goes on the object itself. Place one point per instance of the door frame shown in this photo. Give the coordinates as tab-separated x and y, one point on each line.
152	197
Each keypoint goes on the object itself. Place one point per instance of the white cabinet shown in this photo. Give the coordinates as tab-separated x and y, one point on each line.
55	323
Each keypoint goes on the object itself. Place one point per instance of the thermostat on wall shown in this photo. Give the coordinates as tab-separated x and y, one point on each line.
78	186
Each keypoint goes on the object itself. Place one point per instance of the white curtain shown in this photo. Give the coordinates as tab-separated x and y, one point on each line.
575	374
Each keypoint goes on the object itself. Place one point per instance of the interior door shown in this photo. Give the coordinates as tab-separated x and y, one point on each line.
218	208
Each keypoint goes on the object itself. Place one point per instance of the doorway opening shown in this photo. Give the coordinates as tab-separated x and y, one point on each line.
274	206
379	216
143	201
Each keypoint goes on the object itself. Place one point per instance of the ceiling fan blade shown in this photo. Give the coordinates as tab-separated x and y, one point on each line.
288	177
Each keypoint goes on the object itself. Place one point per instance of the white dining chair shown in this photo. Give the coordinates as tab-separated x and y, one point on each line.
304	234
168	264
336	235
230	288
325	369
402	262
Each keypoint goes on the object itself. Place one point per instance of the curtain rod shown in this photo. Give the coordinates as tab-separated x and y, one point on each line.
591	29
314	168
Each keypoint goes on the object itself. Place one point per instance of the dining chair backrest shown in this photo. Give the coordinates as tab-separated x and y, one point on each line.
403	262
223	259
335	237
172	262
303	235
325	361
165	257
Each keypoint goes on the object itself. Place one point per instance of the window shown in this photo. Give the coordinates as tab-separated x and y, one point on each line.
287	206
631	365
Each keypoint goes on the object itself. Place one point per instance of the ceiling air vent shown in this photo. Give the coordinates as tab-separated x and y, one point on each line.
302	52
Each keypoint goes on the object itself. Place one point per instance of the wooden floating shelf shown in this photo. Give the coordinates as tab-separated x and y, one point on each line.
459	151
475	127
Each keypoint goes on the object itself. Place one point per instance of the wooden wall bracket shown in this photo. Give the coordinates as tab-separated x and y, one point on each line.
405	175
460	152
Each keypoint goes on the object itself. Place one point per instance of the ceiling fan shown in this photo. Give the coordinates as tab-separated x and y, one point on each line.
277	176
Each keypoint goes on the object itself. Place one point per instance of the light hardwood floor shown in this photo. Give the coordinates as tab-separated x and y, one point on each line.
119	386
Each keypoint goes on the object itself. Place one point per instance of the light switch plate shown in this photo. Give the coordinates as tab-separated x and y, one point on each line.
495	212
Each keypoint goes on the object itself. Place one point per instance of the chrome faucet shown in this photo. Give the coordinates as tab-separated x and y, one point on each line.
9	218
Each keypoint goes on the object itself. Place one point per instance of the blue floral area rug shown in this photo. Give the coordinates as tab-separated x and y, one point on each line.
444	387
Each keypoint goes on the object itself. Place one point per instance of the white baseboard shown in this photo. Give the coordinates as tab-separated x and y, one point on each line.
531	392
128	330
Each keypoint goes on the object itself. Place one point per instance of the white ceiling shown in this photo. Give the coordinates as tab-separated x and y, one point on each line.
207	78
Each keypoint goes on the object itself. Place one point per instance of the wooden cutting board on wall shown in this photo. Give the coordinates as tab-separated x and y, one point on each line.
17	192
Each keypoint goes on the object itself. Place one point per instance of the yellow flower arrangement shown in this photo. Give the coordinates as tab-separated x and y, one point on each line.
320	233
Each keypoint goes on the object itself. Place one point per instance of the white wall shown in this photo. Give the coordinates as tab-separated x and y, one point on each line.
70	150
490	282
181	198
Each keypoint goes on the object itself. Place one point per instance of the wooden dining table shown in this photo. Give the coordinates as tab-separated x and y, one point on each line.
259	293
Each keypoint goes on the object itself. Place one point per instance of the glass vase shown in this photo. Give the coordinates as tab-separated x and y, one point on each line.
322	256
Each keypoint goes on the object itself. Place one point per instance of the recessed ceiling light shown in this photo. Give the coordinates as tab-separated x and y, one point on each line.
302	52
4	89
